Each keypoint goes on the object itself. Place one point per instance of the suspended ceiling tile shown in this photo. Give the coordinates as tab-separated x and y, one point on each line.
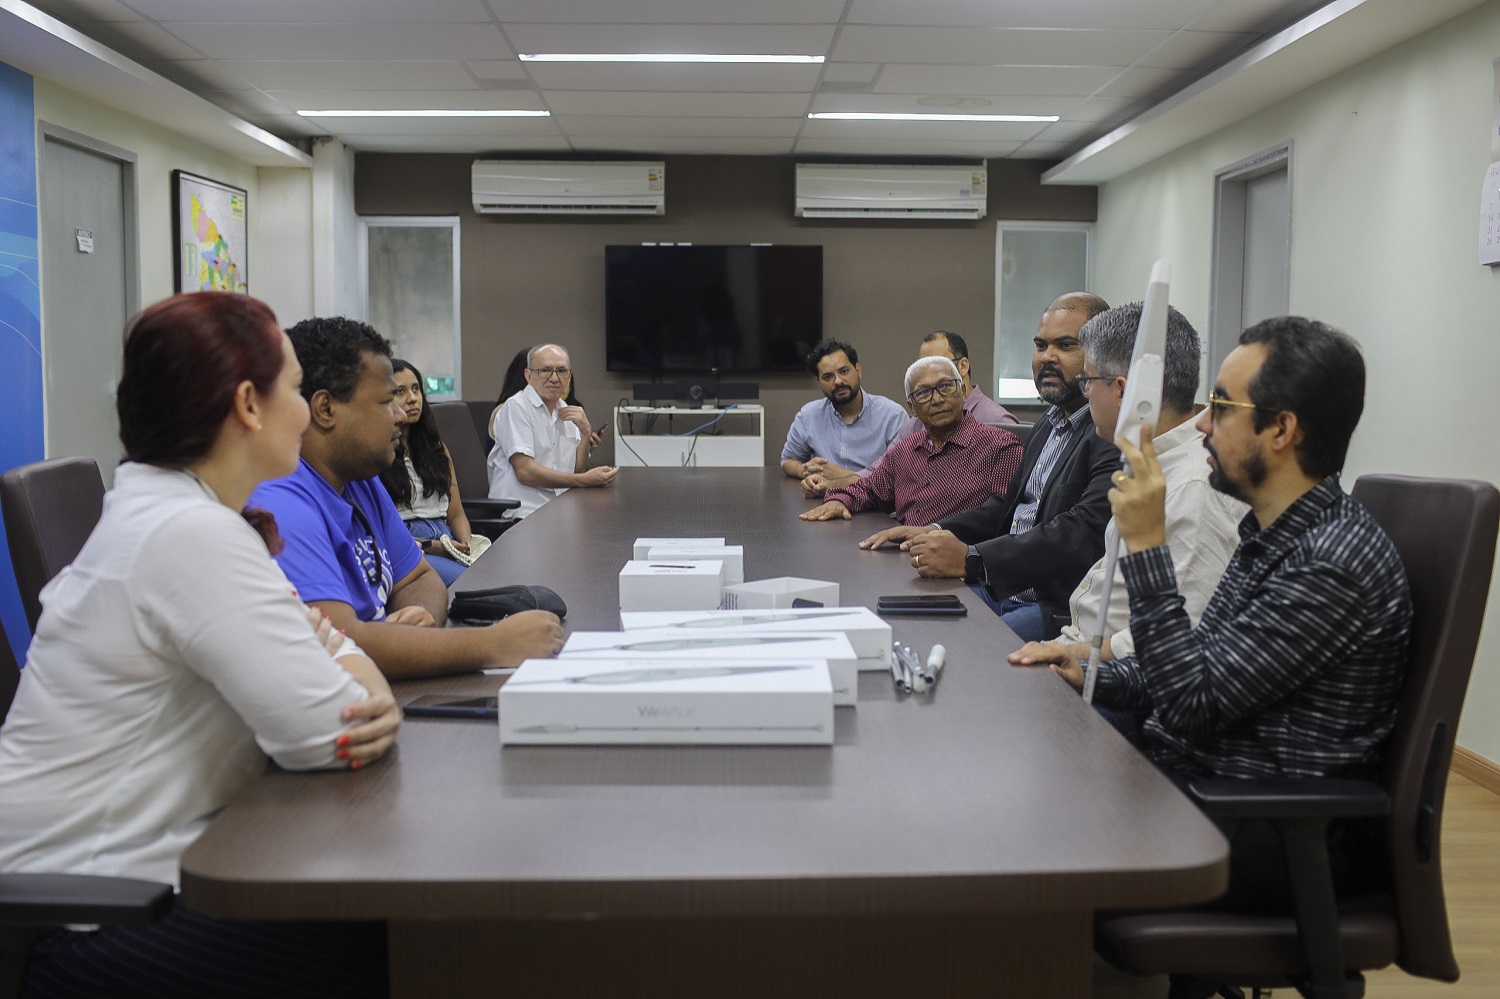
361	74
850	72
247	102
1255	16
574	102
1196	50
693	77
1141	81
1098	109
795	39
144	36
913	104
1074	81
680	128
670	11
922	132
356	40
475	145
1167	14
83	11
312	11
497	127
902	151
497	69
990	46
408	100
211	73
693	146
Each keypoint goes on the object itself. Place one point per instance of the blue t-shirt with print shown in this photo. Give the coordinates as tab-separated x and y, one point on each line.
331	552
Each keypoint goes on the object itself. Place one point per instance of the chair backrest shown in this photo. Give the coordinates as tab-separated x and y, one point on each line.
456	427
10	674
1021	430
1444	530
50	509
479	411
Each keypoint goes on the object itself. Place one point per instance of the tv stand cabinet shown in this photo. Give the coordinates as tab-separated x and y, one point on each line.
661	436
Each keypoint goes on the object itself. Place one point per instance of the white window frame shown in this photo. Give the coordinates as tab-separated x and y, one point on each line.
418	222
1022	391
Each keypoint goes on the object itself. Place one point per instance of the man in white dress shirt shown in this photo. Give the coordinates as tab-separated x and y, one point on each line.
541	446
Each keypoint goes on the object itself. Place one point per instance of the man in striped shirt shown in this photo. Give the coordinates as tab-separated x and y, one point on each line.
1296	667
956	463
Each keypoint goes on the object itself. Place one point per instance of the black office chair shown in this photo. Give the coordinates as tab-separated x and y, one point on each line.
456	426
1445	532
1021	430
480	411
50	509
31	904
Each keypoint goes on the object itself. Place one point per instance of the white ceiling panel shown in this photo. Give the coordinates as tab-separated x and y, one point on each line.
904	150
695	77
792	39
1194	49
850	72
682	127
246	102
1065	131
211	73
408	100
1106	108
669	11
1256	16
575	102
542	128
477	145
1141	82
353	75
922	132
913	104
1072	81
683	147
1164	14
309	12
155	39
497	69
358	40
989	46
80	11
1038	150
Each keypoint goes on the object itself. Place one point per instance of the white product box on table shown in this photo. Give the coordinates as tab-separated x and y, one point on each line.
868	633
733	557
671	584
588	700
670	644
643	546
782	591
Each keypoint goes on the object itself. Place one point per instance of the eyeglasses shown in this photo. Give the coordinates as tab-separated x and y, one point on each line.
545	373
924	395
1082	380
1217	404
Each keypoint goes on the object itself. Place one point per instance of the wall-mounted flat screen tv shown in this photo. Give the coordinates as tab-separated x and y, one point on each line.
711	308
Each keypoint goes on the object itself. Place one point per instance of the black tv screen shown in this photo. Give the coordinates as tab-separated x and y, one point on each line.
711	308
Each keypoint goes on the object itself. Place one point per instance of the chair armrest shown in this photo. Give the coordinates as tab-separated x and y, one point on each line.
1289	798
490	507
56	899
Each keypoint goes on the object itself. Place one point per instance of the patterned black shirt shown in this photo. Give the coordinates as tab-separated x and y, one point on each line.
1296	666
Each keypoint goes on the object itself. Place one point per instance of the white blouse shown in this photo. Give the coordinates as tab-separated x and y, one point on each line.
171	658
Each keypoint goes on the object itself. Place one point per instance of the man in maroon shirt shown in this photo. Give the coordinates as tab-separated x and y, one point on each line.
955	464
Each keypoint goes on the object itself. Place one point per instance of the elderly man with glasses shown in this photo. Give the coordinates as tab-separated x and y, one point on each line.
956	464
541	446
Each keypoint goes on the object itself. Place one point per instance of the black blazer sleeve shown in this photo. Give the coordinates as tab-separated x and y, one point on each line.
1069	534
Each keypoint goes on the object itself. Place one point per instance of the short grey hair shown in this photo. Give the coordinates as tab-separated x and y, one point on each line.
531	354
1109	341
935	360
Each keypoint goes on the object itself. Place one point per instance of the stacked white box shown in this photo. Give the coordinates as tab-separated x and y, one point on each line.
733	557
782	591
643	546
671	585
594	701
727	645
868	633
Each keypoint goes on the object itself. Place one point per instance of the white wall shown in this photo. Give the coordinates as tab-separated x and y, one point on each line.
283	219
1387	162
335	232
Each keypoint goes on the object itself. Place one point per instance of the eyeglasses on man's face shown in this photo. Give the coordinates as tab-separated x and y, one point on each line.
546	373
1218	404
922	396
1082	380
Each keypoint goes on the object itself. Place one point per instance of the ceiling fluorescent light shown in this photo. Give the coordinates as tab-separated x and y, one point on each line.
662	57
429	113
877	116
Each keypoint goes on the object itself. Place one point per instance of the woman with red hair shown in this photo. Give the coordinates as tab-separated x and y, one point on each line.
171	658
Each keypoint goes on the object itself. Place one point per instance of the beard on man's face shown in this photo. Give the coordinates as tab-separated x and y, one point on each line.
1057	390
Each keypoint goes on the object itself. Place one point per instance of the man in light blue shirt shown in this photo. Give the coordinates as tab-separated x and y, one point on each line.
845	431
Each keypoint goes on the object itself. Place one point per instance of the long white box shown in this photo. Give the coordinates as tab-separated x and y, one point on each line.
643	546
868	633
671	584
733	557
596	701
728	645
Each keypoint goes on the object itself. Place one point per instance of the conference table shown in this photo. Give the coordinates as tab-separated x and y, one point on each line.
954	843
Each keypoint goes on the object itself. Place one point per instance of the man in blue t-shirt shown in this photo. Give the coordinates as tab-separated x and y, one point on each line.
345	547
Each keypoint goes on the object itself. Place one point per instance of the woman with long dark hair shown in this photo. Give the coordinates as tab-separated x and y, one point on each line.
172	658
422	482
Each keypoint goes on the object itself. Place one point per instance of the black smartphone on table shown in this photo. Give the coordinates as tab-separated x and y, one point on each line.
449	706
921	603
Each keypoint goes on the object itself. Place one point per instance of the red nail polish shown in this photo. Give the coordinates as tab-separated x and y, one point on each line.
343	632
355	765
343	740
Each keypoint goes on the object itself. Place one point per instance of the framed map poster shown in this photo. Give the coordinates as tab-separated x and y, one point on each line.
210	222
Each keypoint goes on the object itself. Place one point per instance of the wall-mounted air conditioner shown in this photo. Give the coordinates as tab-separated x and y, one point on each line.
890	191
547	187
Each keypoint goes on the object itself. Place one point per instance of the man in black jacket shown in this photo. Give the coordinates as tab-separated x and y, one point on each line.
1026	550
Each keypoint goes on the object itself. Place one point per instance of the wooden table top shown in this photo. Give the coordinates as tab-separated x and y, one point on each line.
1000	791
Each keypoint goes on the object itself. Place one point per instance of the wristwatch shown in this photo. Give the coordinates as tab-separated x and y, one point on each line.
973	565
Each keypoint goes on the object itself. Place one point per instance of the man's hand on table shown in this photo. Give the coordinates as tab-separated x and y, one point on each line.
894	536
533	634
1064	659
938	554
413	615
828	511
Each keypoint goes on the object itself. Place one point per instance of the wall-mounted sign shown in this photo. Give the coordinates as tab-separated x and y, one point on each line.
85	239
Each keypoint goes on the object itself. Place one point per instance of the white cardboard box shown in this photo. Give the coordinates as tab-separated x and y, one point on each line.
733	557
643	546
728	645
583	700
780	592
671	584
868	633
